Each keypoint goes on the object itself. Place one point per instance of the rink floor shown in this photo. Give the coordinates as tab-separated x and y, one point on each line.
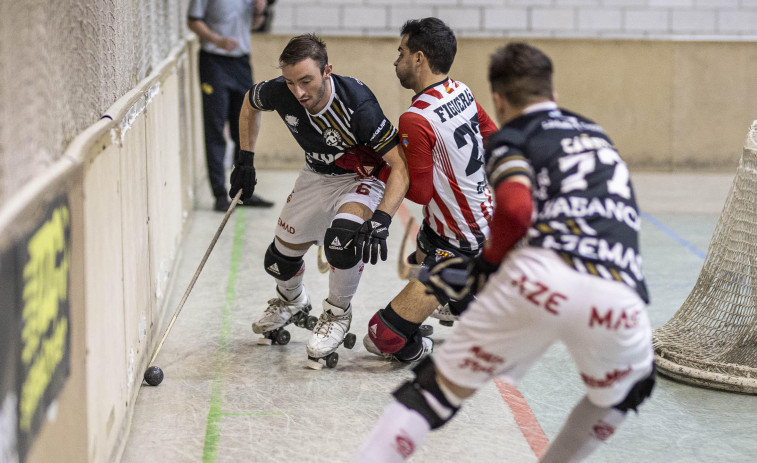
227	399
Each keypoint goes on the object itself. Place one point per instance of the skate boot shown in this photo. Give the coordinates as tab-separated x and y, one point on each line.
330	331
281	313
444	315
428	347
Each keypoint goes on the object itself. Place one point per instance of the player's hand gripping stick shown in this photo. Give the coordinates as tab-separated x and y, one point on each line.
243	175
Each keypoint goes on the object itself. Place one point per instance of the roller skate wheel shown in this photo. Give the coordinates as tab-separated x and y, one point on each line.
426	330
446	322
264	342
311	322
332	359
283	337
314	364
349	341
300	322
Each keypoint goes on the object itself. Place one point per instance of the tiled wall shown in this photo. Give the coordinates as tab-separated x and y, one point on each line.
654	19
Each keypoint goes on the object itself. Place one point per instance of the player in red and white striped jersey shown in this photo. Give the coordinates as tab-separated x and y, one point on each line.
442	134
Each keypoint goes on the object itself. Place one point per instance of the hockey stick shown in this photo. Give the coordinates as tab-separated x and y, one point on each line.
196	275
405	270
323	266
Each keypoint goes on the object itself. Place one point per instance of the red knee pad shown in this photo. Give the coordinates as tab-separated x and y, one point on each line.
386	338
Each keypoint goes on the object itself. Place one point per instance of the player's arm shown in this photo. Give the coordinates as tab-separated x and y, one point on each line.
249	124
509	174
206	34
418	138
512	217
486	124
397	183
243	174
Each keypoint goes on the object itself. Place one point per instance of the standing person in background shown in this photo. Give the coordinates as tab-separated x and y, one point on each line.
442	133
577	279
224	28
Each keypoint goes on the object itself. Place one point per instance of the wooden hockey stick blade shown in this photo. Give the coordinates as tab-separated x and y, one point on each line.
405	270
323	266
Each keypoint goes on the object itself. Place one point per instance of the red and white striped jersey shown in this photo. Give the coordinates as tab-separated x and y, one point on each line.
442	134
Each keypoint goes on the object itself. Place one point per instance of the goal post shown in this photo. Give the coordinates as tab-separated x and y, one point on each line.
711	341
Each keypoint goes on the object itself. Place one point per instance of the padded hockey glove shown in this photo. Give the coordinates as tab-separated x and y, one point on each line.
459	278
372	236
243	175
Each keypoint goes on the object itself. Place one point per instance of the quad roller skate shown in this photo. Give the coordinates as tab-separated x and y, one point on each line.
444	315
281	313
329	333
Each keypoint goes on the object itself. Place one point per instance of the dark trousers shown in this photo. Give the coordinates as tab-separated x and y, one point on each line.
224	81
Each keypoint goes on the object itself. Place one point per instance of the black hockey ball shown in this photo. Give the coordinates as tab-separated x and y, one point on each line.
154	376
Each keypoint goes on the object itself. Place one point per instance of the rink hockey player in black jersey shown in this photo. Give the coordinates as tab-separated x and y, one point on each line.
560	187
329	115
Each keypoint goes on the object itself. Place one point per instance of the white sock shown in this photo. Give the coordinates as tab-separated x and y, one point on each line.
343	284
398	433
587	427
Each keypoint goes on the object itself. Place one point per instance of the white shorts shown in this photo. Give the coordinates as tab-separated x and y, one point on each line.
315	200
535	299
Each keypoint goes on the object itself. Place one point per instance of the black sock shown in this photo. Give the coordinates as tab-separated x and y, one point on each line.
408	329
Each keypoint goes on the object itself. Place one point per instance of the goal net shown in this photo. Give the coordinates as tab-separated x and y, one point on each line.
711	341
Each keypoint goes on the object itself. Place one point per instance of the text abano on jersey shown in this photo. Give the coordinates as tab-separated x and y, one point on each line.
578	206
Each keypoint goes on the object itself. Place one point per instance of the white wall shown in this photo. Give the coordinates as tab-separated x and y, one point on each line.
657	19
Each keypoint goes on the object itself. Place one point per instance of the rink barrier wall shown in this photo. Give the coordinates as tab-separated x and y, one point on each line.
129	183
667	105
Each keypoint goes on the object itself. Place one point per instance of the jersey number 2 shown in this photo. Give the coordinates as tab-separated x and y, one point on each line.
470	130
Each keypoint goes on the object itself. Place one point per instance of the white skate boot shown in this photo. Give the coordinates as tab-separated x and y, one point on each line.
281	313
330	331
444	315
428	347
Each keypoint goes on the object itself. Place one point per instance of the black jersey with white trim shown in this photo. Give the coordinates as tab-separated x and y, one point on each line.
585	205
352	116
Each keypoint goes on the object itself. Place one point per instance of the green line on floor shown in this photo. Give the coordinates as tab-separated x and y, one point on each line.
212	429
253	414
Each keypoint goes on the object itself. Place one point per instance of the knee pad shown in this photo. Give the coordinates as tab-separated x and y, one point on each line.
424	395
640	391
339	244
386	338
280	266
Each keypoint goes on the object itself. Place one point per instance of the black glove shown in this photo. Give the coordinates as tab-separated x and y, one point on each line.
243	175
459	278
372	234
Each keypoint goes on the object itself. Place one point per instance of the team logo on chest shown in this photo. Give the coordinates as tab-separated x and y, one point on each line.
292	122
331	137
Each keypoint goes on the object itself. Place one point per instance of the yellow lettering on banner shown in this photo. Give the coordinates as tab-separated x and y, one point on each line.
41	373
45	287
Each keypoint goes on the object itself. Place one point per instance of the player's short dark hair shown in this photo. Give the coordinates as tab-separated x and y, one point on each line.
435	39
521	73
303	47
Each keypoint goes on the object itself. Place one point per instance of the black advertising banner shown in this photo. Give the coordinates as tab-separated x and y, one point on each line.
10	337
42	301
